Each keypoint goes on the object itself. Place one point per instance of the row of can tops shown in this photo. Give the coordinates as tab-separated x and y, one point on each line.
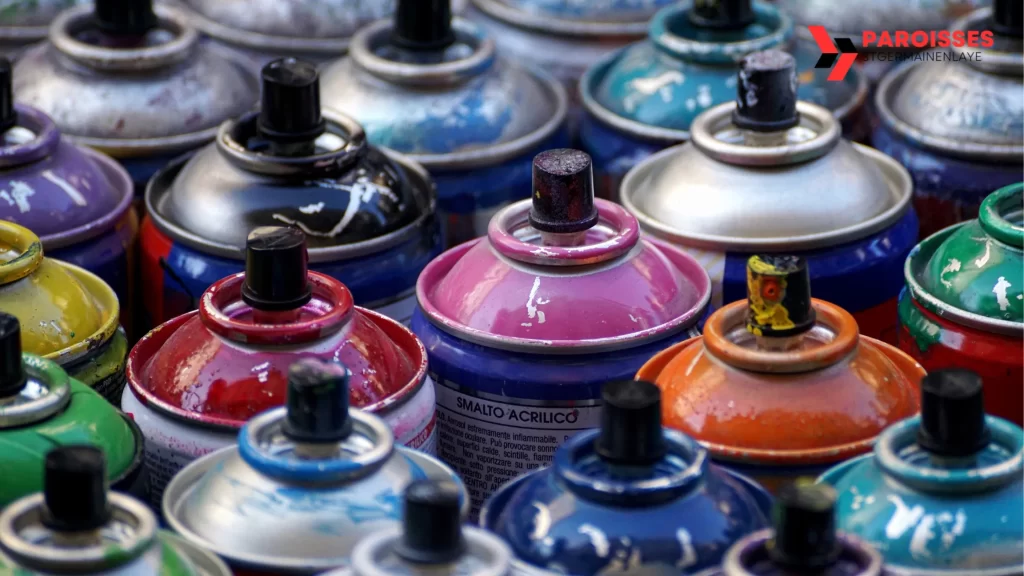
332	475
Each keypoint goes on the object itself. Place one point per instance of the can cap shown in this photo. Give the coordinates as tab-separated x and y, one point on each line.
952	413
75	489
805	527
290	105
630	423
12	373
276	266
124	17
1008	17
8	115
721	14
317	402
423	25
778	296
431	523
563	192
766	92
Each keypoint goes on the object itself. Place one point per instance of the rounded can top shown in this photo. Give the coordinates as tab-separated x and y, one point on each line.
597	18
970	272
928	102
749	557
45	391
451	108
65	311
164	92
739	396
349	199
563	293
740	190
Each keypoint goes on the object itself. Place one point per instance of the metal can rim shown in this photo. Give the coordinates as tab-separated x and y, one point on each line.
583	28
206	562
105	297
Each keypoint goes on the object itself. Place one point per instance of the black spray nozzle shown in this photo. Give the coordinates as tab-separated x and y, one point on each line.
563	192
290	102
8	115
75	489
431	523
124	17
766	92
722	14
805	527
12	372
276	266
317	402
778	296
1008	18
952	414
631	423
423	25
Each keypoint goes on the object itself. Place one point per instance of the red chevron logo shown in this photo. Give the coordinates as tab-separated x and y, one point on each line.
842	50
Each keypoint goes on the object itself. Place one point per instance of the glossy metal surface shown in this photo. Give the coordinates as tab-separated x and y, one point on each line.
155	100
253	504
585	516
741	400
749	557
932	515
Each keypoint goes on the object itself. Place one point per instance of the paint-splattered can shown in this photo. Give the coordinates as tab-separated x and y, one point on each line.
781	386
434	89
431	540
67	314
942	493
803	540
760	175
41	407
964	303
646	97
631	498
77	201
958	126
368	214
25	22
133	83
304	484
194	381
564	38
76	527
522	327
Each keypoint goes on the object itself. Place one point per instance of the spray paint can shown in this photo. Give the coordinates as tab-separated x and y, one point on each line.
941	494
81	333
75	526
368	214
435	89
963	306
233	354
645	98
133	83
26	22
759	175
958	125
782	386
631	498
304	484
804	541
522	327
40	407
77	201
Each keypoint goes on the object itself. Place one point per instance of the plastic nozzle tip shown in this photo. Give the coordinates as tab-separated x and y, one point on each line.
805	527
1008	17
124	17
8	115
432	523
12	372
778	296
276	269
75	489
766	92
317	402
952	414
563	192
631	423
423	25
722	14
290	102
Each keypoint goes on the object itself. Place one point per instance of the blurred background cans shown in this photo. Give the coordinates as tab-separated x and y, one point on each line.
25	22
436	89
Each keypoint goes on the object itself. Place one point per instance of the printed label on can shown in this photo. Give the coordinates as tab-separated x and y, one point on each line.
162	464
425	441
491	440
